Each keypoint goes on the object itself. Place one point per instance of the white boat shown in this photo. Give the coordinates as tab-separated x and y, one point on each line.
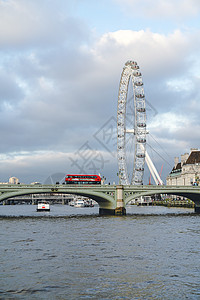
43	206
71	203
79	203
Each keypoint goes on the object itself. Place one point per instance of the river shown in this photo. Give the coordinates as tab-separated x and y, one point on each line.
73	253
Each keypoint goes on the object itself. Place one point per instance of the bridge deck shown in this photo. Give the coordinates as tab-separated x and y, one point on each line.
109	197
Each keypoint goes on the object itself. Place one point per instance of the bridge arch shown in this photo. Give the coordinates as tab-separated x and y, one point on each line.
190	194
105	199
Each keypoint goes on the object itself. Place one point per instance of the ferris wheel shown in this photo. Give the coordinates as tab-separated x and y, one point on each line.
131	125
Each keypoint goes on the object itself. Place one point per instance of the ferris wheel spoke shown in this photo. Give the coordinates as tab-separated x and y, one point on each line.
130	154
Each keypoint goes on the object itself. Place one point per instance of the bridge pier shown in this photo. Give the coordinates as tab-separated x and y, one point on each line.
106	212
120	210
197	209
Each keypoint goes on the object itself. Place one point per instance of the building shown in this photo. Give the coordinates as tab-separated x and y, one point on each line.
186	171
12	180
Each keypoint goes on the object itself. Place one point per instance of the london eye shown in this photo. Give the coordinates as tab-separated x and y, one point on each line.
131	125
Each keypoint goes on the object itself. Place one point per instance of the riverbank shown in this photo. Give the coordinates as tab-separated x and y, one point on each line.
175	203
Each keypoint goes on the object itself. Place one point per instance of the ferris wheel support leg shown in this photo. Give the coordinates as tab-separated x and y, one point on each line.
152	173
153	170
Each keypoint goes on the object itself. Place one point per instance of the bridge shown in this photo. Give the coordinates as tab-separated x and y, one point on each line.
112	199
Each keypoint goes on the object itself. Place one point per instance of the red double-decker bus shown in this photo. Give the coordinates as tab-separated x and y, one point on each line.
82	179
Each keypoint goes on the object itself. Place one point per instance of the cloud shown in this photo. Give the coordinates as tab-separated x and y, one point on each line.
164	60
179	9
29	23
157	52
33	166
10	91
59	83
39	165
167	63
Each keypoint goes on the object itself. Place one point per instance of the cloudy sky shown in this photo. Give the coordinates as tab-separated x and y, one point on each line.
60	67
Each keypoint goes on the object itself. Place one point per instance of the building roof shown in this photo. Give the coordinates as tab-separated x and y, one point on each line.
176	168
193	158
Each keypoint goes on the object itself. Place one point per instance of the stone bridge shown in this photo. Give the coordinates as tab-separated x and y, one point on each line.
112	199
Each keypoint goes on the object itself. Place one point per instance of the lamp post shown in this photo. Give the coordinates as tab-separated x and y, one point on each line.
103	179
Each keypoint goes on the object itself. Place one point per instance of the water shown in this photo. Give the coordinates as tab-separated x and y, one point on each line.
73	253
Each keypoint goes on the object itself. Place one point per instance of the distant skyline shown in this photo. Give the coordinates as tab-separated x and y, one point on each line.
60	67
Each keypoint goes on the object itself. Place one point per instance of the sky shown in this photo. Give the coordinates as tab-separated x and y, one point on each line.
60	68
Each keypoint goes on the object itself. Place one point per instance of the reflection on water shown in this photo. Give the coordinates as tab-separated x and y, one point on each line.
73	253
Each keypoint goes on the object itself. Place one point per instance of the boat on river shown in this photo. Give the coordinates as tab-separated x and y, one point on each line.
43	206
79	203
88	203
